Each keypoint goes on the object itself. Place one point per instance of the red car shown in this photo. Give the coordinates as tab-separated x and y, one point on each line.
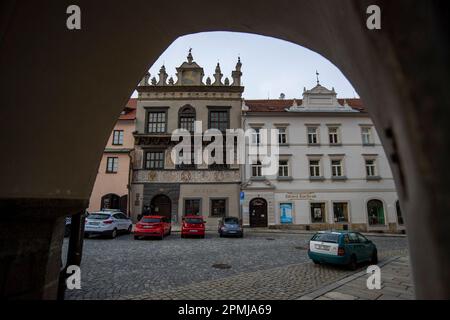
153	226
193	226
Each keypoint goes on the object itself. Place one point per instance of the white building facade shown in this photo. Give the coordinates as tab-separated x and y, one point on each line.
333	172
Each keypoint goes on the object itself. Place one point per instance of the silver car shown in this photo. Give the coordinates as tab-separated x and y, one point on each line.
107	223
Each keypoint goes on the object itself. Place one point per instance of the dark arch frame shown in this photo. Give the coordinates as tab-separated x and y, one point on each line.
255	218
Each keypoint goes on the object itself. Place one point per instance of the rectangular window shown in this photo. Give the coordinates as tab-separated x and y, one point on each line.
218	207
156	122
187	123
340	212
313	136
154	160
192	207
256	136
257	169
314	168
333	135
336	168
366	135
112	164
282	136
370	168
283	168
317	212
118	137
218	120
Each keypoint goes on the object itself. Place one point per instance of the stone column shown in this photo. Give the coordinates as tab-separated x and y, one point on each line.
31	236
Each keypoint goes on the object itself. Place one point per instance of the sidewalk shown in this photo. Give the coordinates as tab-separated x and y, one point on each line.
396	284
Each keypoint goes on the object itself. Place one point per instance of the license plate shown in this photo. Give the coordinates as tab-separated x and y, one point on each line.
193	231
232	231
93	223
148	227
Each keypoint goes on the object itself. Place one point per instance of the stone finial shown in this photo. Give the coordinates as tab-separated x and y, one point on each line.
154	81
189	57
218	76
237	74
171	82
227	81
144	81
162	76
208	81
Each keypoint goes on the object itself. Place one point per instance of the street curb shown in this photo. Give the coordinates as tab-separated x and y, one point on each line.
330	287
389	235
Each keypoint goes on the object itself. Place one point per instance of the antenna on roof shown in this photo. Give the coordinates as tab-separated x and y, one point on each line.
317	75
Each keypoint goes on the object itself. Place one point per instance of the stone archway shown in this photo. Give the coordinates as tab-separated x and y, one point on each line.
400	71
161	205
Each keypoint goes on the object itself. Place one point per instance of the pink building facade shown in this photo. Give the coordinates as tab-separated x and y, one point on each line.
111	186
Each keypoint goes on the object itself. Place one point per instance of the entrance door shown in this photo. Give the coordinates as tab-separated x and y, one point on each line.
110	201
161	206
258	213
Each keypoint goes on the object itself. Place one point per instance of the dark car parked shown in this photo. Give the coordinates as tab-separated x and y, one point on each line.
230	226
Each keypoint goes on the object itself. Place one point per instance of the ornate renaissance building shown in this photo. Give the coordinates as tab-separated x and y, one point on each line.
160	186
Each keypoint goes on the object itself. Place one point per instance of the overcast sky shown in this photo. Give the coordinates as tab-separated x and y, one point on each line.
270	66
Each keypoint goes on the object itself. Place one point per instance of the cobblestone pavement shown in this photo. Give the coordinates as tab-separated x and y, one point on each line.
396	284
261	266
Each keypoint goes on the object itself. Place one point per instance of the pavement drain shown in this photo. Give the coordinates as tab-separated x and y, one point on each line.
270	239
221	266
301	248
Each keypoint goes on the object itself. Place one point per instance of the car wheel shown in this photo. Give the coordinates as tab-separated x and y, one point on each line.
129	229
114	233
353	265
170	231
220	234
316	261
374	259
136	237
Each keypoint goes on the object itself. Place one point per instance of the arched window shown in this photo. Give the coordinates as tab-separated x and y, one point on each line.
399	213
186	118
375	212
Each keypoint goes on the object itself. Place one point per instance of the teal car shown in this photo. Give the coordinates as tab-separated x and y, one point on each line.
342	247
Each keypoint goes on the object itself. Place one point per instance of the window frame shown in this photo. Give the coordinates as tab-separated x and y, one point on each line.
324	213
318	166
316	134
285	168
150	110
258	166
282	132
119	140
369	134
336	134
347	203
340	168
187	112
192	199
225	214
162	161
224	109
373	166
115	165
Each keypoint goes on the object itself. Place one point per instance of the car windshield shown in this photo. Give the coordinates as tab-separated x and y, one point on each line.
194	220
98	216
231	221
151	220
326	237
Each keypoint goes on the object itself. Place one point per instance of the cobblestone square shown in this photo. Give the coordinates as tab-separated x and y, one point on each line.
259	266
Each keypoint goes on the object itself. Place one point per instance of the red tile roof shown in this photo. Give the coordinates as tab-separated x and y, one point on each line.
279	105
129	110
